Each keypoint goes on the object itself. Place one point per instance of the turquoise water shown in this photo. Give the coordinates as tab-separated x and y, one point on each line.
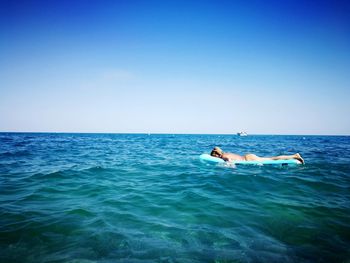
148	198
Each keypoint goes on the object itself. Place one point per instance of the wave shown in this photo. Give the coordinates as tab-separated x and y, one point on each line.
16	153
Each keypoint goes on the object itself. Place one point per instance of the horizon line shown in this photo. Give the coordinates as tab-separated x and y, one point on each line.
173	133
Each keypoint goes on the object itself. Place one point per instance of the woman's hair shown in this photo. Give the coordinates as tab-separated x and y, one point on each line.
216	152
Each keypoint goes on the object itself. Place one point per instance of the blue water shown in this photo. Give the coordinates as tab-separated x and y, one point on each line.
148	198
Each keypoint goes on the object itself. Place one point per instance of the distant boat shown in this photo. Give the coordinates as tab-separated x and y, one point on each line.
242	134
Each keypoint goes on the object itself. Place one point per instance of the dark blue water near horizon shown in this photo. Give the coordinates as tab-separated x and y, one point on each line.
148	198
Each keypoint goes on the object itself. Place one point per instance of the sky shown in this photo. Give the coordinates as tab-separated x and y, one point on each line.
264	67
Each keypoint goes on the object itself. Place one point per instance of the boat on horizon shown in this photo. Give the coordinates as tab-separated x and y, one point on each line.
242	133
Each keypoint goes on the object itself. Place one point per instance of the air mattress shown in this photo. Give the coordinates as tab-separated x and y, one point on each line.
210	159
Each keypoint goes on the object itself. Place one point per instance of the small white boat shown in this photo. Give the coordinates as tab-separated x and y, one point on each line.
242	134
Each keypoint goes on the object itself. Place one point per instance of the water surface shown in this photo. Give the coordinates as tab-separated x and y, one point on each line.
148	198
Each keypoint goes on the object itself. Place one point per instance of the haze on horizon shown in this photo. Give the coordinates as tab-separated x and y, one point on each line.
264	67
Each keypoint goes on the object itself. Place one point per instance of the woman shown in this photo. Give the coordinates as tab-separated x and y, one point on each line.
229	157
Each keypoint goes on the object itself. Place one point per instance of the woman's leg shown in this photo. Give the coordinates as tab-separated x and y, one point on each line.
253	157
288	157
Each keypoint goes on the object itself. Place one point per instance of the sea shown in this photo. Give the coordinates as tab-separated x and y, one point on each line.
149	198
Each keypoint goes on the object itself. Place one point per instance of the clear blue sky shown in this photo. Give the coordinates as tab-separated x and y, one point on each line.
275	67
